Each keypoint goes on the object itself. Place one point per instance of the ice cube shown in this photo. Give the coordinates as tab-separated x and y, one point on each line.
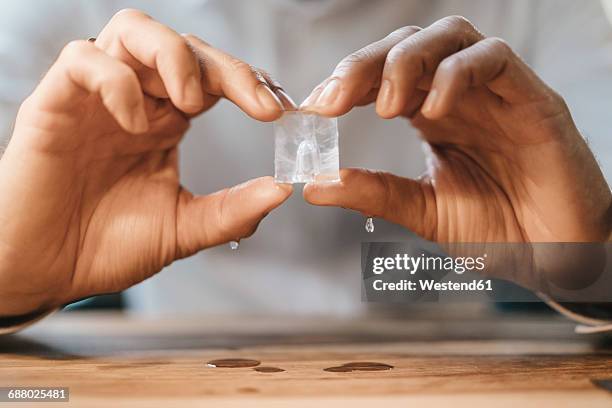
306	148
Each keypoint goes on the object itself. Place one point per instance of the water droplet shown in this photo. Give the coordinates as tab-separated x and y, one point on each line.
339	369
359	366
266	369
234	245
368	366
369	225
233	363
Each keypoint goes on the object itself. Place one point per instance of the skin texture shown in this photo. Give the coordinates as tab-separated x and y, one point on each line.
506	162
90	196
90	199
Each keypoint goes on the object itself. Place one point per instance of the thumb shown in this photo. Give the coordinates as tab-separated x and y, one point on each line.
230	214
403	201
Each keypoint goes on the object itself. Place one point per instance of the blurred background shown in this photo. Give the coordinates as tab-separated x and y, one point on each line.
305	260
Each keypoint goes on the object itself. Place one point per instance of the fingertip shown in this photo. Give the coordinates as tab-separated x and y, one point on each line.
430	115
287	102
384	112
333	111
285	188
310	194
192	98
282	191
384	99
320	193
338	107
432	109
270	106
266	190
388	109
134	121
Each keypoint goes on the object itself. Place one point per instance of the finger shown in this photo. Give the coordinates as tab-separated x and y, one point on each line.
142	42
355	78
228	77
490	62
261	75
230	214
81	70
409	63
376	194
276	87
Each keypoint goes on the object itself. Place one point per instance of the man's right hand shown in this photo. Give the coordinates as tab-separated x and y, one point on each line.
90	199
506	162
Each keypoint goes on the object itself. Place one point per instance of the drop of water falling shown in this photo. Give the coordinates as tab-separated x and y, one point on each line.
234	245
369	225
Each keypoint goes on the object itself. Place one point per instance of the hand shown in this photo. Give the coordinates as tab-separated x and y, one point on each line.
90	199
506	161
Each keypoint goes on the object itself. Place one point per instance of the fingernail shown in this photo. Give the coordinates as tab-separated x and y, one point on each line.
329	94
288	103
311	98
430	102
194	99
385	95
267	99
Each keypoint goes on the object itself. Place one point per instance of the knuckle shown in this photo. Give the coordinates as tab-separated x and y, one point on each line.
461	28
499	44
557	99
452	65
195	43
75	49
240	67
179	44
357	57
404	32
397	53
407	53
128	14
458	21
123	74
354	60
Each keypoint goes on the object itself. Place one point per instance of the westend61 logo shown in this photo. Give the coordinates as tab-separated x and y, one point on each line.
408	266
421	271
413	264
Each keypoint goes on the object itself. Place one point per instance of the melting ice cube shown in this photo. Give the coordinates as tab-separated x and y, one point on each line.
306	148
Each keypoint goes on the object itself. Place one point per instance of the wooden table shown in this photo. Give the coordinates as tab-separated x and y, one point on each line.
116	360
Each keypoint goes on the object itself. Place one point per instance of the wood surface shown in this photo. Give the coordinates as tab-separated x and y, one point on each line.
116	360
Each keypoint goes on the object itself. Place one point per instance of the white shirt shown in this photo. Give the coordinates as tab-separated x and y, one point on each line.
305	259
